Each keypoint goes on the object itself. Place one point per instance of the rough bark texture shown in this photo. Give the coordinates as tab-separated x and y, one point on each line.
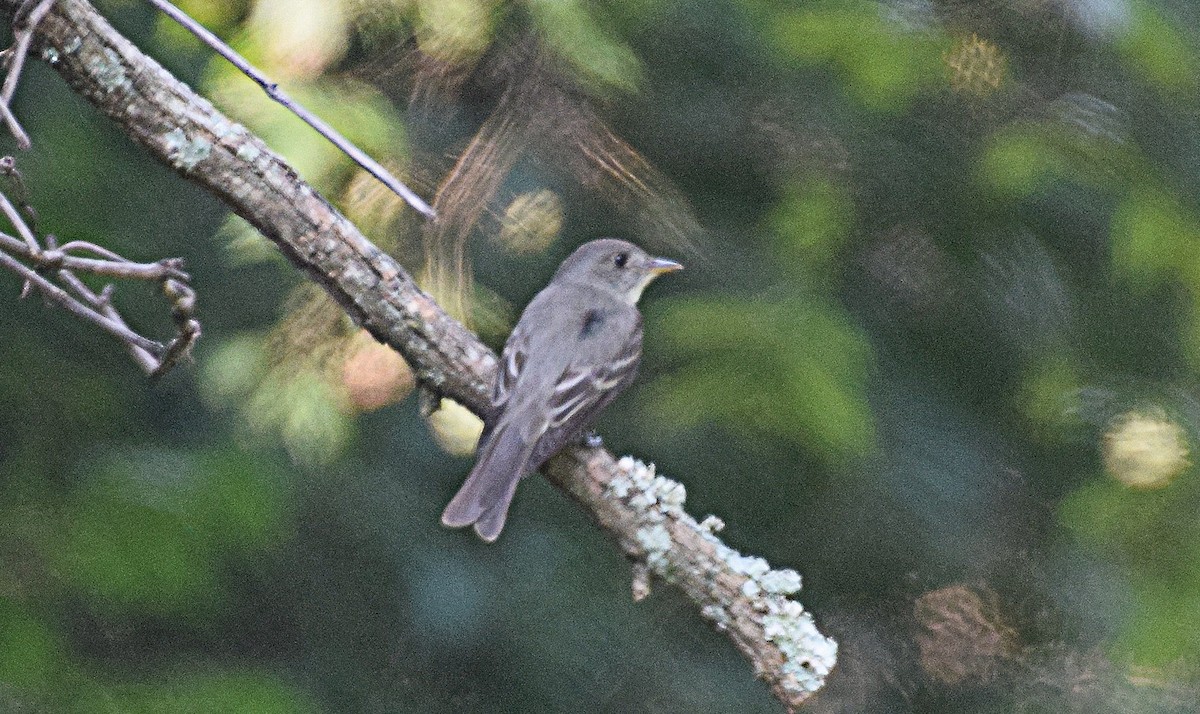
643	513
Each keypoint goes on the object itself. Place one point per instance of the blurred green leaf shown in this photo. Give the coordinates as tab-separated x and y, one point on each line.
456	31
1049	396
241	502
1163	627
291	402
1154	236
812	221
233	369
31	656
151	528
1153	534
1013	163
795	371
126	556
1153	46
568	27
198	693
304	411
885	66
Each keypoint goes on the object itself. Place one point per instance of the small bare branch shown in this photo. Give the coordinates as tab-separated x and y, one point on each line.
8	168
14	126
14	217
54	263
25	22
273	91
90	247
64	299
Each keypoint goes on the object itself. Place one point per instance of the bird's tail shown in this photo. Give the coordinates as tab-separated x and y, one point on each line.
485	496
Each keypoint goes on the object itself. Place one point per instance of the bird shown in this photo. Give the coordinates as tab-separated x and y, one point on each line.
576	346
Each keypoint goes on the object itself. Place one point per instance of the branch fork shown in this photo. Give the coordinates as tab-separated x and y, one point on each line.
54	271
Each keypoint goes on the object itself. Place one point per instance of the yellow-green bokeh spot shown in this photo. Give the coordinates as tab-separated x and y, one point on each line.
884	66
1049	397
1109	516
233	369
217	16
531	222
889	77
1163	626
293	402
455	31
1154	236
306	411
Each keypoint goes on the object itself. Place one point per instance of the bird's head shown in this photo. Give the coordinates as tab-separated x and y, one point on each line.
614	266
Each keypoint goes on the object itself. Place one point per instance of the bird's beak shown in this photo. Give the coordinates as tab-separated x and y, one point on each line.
658	266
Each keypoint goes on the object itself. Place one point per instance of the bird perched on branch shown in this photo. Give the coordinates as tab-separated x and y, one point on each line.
575	348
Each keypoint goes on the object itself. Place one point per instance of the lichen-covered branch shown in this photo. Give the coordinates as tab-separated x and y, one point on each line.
643	513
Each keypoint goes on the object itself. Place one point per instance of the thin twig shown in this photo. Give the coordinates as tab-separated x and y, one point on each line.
64	299
183	304
23	35
92	248
274	92
14	217
114	266
8	167
14	126
163	269
151	356
102	304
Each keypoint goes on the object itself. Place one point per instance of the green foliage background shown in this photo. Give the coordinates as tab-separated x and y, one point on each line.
941	253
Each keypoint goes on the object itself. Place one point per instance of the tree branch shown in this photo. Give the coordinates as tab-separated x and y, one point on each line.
643	513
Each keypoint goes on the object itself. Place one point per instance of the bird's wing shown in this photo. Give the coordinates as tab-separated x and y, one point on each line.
582	391
512	362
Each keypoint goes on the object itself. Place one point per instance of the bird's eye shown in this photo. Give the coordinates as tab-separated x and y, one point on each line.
621	260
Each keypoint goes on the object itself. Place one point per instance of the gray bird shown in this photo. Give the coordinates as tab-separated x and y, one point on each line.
576	346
